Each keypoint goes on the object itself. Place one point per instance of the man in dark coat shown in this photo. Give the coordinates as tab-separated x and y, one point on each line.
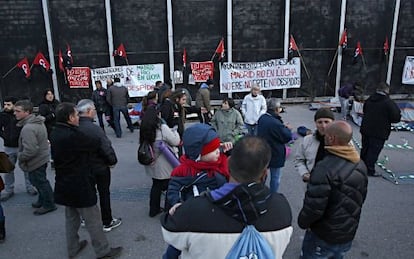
75	183
379	112
100	161
335	193
271	127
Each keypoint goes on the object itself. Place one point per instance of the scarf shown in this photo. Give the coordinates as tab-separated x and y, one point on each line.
189	167
346	152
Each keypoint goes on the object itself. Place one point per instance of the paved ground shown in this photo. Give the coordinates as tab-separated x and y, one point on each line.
386	227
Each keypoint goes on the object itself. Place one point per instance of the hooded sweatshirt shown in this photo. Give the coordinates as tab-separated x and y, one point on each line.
33	143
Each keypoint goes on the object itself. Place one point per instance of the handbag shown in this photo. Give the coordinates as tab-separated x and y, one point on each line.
5	165
146	154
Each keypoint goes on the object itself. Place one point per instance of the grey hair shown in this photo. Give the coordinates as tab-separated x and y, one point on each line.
273	103
85	105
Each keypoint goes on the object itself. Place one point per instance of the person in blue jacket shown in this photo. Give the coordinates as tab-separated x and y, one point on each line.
277	134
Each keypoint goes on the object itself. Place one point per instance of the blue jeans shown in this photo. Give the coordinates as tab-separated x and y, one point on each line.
275	174
117	116
315	248
251	129
39	180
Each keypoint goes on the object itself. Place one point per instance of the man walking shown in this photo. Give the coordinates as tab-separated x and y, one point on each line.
207	226
117	97
33	154
379	112
335	193
271	128
75	183
253	106
100	161
10	133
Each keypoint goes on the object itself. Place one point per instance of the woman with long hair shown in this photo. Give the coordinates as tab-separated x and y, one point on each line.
153	130
47	109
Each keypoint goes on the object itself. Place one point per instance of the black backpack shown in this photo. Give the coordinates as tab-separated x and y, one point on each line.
146	154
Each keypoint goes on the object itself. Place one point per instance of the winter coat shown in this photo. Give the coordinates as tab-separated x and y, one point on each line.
228	124
47	110
33	144
99	99
305	155
203	97
105	156
9	131
271	128
252	108
335	194
117	95
174	114
379	112
205	222
74	180
161	169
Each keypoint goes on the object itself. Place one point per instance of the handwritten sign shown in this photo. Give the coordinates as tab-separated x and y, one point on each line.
408	71
78	77
139	79
269	75
202	71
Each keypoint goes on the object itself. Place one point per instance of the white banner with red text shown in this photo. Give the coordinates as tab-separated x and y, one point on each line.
408	71
269	75
139	79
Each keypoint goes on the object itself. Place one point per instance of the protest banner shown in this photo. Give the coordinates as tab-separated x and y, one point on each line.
408	71
139	79
202	70
269	75
78	77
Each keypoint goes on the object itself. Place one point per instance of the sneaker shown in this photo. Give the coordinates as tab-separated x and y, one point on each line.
113	253
114	223
32	191
42	210
82	223
6	195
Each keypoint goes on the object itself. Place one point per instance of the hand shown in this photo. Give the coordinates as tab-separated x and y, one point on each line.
226	146
174	208
287	125
306	177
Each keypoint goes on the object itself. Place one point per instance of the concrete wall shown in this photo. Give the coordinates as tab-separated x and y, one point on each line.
258	28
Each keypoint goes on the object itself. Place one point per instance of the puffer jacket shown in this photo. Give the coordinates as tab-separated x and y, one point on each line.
334	198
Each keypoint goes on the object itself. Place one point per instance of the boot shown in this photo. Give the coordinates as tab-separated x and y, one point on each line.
2	231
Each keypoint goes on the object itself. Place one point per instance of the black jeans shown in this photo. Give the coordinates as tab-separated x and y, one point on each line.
371	148
155	196
103	180
38	178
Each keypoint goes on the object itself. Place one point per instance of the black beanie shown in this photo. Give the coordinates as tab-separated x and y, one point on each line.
324	113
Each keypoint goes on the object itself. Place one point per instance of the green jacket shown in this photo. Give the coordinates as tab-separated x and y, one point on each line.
228	124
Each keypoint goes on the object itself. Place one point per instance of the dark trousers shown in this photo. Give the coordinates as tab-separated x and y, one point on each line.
38	178
371	148
315	248
103	180
155	196
117	116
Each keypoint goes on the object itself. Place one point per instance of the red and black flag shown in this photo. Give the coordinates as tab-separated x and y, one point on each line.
68	60
358	52
120	51
184	58
344	39
220	50
61	61
293	47
386	46
41	61
24	65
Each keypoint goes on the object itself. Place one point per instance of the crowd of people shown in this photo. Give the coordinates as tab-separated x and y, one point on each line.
213	172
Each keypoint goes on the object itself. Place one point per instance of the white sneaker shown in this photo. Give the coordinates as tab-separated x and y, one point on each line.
114	223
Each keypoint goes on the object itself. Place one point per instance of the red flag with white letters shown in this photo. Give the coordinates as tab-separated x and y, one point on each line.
220	49
120	51
61	66
24	65
41	61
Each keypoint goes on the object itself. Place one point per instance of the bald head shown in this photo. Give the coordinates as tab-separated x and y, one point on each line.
338	133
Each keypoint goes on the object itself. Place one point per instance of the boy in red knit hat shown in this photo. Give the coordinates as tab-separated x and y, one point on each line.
203	167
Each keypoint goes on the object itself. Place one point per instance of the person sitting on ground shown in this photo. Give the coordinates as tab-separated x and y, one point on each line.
208	226
311	149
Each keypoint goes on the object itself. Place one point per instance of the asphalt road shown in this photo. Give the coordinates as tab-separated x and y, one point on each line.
385	231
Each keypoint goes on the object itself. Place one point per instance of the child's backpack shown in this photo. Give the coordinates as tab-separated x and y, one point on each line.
250	245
